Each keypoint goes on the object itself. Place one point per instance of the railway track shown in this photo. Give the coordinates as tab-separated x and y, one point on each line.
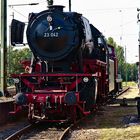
53	133
20	132
67	131
113	98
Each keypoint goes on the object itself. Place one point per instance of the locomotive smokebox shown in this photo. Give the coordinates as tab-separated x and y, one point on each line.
52	35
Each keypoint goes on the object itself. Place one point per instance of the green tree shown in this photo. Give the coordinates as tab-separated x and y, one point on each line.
111	42
15	58
127	71
132	72
121	60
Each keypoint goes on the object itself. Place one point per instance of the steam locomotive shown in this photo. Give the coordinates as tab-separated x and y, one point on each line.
72	68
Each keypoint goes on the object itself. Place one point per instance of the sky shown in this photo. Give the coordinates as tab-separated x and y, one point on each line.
114	18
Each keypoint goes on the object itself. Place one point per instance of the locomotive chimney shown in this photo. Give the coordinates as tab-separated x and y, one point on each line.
50	2
56	7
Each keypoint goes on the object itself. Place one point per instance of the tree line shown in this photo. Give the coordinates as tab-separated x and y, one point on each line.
129	72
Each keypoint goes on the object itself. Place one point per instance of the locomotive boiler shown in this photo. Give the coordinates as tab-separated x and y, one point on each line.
68	74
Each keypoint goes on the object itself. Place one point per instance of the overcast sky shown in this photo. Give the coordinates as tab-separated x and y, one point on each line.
113	18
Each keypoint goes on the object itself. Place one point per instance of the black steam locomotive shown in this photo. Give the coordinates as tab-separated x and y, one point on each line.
72	69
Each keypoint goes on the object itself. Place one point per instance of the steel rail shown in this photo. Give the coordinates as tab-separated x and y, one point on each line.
72	126
20	132
122	92
116	95
66	132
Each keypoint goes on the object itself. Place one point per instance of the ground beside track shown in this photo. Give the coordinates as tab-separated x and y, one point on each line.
109	123
132	93
11	91
6	99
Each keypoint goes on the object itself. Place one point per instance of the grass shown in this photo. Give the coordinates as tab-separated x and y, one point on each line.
129	84
130	133
112	128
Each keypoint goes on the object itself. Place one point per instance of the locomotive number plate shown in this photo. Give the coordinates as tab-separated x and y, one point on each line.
54	34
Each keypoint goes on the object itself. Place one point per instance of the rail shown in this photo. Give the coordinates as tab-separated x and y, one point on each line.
120	93
19	133
72	126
